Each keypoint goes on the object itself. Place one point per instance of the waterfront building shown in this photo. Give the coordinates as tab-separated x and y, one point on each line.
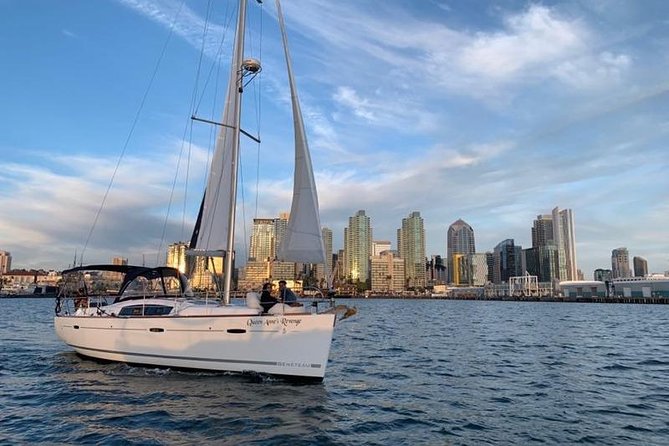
460	240
630	287
357	247
565	239
620	263
506	261
542	261
411	247
603	275
387	273
640	266
546	259
436	271
478	266
5	262
459	274
253	275
490	261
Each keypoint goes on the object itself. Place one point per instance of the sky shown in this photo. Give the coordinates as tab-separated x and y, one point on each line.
489	111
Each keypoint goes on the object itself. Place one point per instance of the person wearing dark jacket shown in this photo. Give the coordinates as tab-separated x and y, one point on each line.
267	301
286	295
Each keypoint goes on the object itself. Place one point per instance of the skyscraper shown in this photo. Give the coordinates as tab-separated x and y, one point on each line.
640	266
545	259
620	263
460	241
565	239
505	261
263	239
358	247
411	247
542	230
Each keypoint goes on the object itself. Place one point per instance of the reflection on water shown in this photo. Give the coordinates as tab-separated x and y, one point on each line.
124	402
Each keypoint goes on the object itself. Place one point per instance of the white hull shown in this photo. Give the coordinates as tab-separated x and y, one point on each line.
295	345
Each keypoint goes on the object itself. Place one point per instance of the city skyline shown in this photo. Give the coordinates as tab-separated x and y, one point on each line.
519	106
266	235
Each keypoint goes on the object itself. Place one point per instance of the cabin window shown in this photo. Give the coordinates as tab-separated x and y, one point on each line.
145	310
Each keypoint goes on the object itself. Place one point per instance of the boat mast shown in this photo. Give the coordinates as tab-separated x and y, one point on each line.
237	72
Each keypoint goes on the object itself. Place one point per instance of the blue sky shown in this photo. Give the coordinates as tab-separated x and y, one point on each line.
493	112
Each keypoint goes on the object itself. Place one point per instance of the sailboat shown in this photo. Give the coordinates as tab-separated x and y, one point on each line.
151	318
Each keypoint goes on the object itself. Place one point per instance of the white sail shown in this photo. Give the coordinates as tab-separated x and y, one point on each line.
219	200
303	241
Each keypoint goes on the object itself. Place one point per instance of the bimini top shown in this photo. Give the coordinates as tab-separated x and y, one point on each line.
132	272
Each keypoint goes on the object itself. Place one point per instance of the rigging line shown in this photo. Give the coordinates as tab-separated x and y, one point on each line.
241	174
189	125
219	53
132	130
181	152
258	94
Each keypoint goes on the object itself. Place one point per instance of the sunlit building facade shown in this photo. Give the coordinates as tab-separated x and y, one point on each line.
411	247
387	272
460	241
358	247
565	240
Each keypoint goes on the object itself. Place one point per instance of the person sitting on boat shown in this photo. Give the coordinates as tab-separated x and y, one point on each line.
266	298
286	295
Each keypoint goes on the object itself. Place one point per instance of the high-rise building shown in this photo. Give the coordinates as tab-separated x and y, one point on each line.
490	261
640	266
542	231
620	263
460	241
5	262
280	228
436	271
263	239
565	239
387	272
411	247
506	263
478	265
357	247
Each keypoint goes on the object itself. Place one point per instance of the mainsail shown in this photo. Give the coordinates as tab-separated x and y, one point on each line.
303	241
218	209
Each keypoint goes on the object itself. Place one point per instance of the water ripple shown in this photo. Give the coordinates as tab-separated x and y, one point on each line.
401	372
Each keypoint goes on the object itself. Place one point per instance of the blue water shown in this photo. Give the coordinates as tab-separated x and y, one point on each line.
400	372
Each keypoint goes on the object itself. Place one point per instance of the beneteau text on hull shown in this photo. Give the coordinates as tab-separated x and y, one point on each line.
153	320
